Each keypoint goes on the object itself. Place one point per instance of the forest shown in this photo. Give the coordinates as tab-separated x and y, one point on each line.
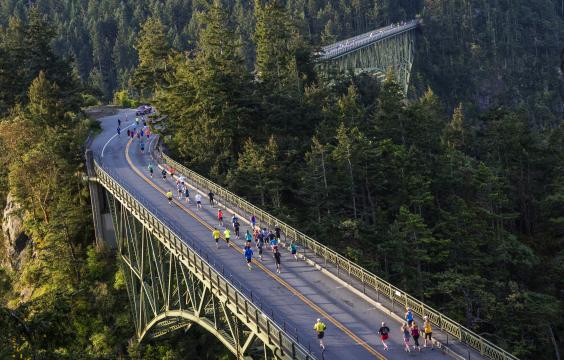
454	192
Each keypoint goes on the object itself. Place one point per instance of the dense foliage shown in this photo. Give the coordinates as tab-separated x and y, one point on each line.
480	52
68	299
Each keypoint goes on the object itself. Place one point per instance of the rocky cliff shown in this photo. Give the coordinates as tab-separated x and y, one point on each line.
14	241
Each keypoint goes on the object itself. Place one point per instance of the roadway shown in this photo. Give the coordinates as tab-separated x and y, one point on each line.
296	297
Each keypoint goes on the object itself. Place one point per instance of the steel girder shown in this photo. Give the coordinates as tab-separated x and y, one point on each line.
170	287
395	53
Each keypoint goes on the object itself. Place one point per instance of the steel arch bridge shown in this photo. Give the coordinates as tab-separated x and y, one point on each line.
172	287
374	52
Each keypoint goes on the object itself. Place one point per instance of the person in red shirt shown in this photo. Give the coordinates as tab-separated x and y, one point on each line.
220	217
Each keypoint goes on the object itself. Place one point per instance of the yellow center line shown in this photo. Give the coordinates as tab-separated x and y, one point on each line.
261	266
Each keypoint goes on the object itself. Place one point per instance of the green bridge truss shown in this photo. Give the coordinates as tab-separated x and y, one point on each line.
373	53
172	287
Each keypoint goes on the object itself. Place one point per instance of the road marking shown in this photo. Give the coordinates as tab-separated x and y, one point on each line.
107	142
299	295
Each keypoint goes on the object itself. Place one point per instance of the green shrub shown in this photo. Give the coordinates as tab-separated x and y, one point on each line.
121	98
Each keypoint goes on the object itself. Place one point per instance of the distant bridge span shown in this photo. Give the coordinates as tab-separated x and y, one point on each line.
374	52
176	277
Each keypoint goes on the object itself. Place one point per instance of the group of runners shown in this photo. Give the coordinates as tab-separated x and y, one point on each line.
255	237
408	330
259	238
138	131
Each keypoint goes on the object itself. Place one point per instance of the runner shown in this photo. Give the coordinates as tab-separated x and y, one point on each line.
128	133
118	131
294	250
119	122
227	235
236	228
249	256
234	219
277	231
150	167
277	259
408	316
248	238
180	190
142	146
320	328
253	221
273	242
187	194
428	330
220	217
255	233
136	120
260	245
415	336
211	195
163	173
169	197
216	235
406	335
198	201
383	332
141	133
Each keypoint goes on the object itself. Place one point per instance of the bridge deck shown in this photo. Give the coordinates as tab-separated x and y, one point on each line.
293	299
343	47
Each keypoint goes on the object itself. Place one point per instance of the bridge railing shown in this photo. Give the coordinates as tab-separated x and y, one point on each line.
365	277
251	307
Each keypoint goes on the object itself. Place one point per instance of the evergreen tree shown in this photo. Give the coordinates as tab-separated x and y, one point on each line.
275	51
152	47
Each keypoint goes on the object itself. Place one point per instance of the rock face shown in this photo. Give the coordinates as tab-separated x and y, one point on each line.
14	241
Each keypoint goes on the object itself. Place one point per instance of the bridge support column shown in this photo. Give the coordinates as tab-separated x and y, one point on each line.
103	228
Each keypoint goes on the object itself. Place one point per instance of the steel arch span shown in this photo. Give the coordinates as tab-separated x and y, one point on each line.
171	287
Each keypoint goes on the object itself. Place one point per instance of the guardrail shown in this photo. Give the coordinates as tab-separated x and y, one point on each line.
368	279
290	346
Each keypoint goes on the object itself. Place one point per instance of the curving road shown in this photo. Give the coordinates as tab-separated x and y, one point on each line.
296	297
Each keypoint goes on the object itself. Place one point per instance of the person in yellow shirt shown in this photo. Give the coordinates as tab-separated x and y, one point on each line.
216	235
320	328
169	197
227	235
428	330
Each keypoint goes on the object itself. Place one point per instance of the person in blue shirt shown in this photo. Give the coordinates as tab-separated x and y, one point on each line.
248	238
273	244
408	316
294	250
249	256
